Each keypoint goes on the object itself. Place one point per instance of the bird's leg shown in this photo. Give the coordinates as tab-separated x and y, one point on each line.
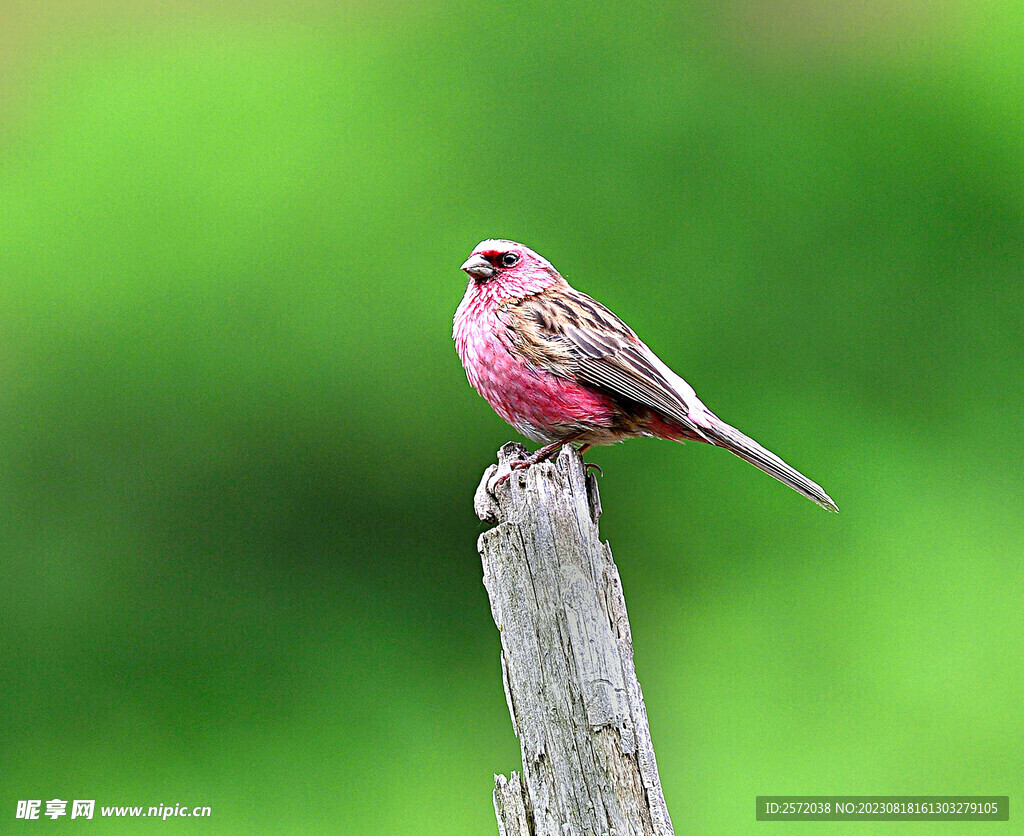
589	465
543	454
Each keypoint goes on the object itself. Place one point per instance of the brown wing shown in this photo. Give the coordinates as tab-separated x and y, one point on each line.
571	335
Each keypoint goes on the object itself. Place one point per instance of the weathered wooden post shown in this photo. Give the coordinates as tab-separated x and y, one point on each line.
566	659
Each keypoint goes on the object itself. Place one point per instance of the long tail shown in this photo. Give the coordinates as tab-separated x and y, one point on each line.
721	434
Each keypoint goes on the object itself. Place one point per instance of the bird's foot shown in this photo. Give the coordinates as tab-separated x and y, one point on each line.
590	465
542	455
505	476
522	464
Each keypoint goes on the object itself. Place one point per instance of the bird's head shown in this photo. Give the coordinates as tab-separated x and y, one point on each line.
510	268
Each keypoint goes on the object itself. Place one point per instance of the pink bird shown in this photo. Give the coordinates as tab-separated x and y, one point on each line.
562	368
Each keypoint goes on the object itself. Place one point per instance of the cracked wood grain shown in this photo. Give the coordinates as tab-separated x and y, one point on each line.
566	659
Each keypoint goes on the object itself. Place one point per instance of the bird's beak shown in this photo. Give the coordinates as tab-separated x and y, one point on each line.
478	267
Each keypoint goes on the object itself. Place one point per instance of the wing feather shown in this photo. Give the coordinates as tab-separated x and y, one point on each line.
569	334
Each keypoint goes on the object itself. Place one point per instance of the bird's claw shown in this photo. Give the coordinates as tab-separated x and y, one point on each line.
529	461
512	466
519	464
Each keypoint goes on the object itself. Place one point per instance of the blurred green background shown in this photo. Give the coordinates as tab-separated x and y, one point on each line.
238	451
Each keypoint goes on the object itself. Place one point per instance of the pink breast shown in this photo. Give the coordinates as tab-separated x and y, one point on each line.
539	404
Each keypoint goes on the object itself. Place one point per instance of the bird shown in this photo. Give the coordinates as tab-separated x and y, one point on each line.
561	368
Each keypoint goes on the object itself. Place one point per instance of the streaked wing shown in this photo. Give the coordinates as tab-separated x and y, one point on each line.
569	334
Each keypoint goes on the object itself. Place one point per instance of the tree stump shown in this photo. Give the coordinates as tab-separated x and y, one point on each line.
566	658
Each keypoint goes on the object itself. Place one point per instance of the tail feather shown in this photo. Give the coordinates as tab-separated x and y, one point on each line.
723	435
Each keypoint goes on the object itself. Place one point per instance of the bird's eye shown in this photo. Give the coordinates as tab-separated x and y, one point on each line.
508	259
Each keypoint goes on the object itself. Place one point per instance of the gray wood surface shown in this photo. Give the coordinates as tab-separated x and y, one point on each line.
566	659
